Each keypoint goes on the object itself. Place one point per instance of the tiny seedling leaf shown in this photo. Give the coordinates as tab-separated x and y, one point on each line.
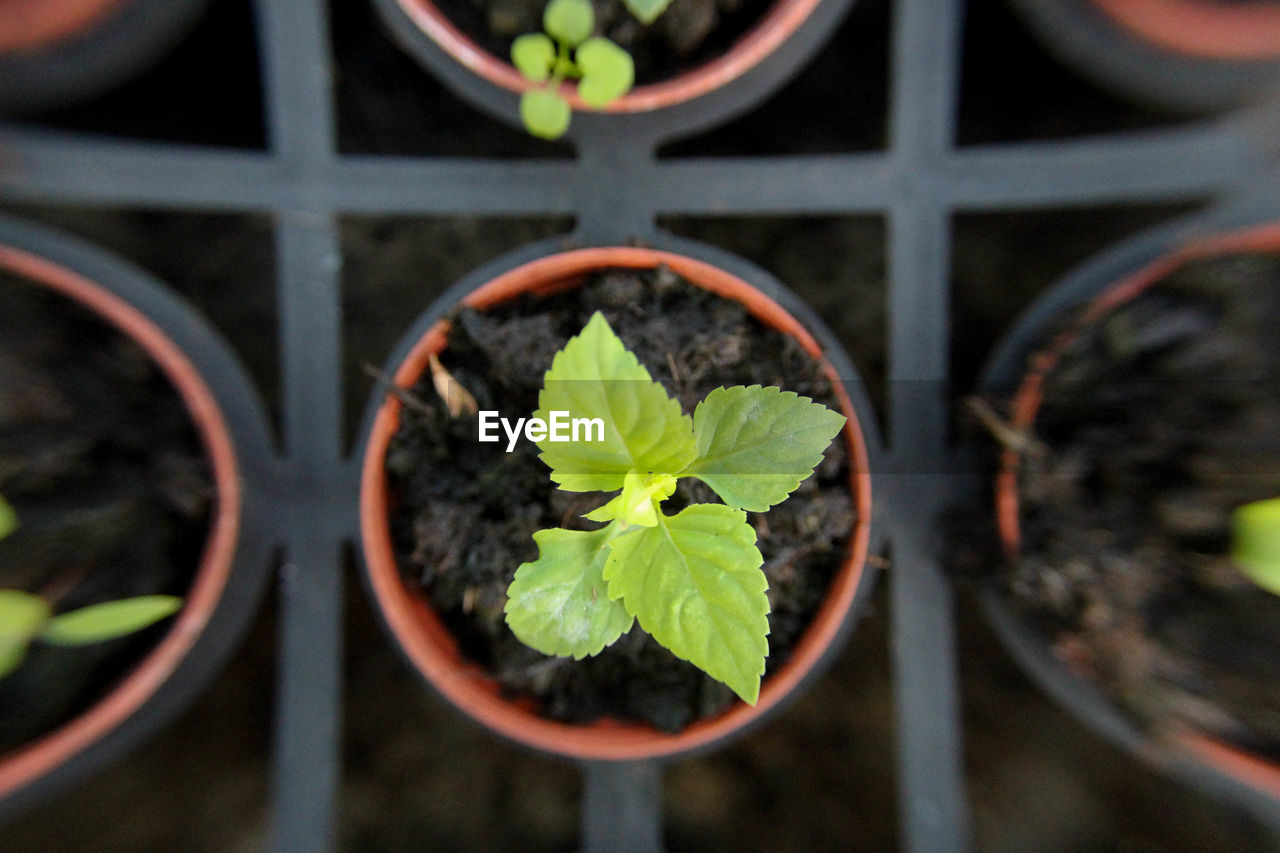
8	519
559	604
533	55
1255	542
607	72
544	113
647	11
756	445
595	376
694	582
638	503
569	22
106	621
21	617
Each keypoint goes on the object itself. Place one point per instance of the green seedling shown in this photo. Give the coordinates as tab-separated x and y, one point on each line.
647	11
26	618
1255	542
567	51
692	580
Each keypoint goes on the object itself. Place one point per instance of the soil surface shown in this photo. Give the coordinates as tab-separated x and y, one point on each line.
467	511
687	34
1158	421
105	471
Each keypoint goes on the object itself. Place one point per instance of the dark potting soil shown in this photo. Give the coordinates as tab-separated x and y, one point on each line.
687	34
467	511
102	465
1158	421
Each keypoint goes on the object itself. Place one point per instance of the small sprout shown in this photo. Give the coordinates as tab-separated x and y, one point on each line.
109	620
544	113
647	11
604	71
692	580
8	519
1255	542
569	22
26	617
607	72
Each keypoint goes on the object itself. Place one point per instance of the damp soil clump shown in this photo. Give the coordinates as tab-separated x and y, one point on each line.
689	33
466	511
105	471
1156	423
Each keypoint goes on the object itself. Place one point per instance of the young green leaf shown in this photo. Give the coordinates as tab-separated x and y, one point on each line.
637	505
544	113
21	616
8	519
607	71
647	11
533	55
756	445
559	604
106	621
1255	542
595	376
569	22
694	583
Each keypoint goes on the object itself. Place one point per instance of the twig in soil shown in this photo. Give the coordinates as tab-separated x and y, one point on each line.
1019	441
403	395
675	375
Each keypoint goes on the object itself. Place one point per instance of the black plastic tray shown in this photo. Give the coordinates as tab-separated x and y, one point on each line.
301	492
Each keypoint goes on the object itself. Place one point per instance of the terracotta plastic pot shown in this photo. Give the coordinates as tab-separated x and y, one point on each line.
32	25
1202	28
1185	55
1258	774
56	52
28	763
782	19
428	644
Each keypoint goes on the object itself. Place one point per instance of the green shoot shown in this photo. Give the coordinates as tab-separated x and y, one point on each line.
647	11
26	618
1255	542
566	51
692	580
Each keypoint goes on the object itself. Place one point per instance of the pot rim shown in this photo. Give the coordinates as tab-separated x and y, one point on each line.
1255	772
426	642
782	19
34	760
1200	29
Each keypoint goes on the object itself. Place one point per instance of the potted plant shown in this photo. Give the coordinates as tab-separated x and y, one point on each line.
1133	506
113	502
55	52
446	519
680	50
1184	55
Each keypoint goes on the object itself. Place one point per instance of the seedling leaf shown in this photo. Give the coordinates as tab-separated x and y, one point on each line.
1255	544
607	72
21	616
544	113
106	621
595	376
533	55
647	11
693	581
8	519
756	445
558	604
569	22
